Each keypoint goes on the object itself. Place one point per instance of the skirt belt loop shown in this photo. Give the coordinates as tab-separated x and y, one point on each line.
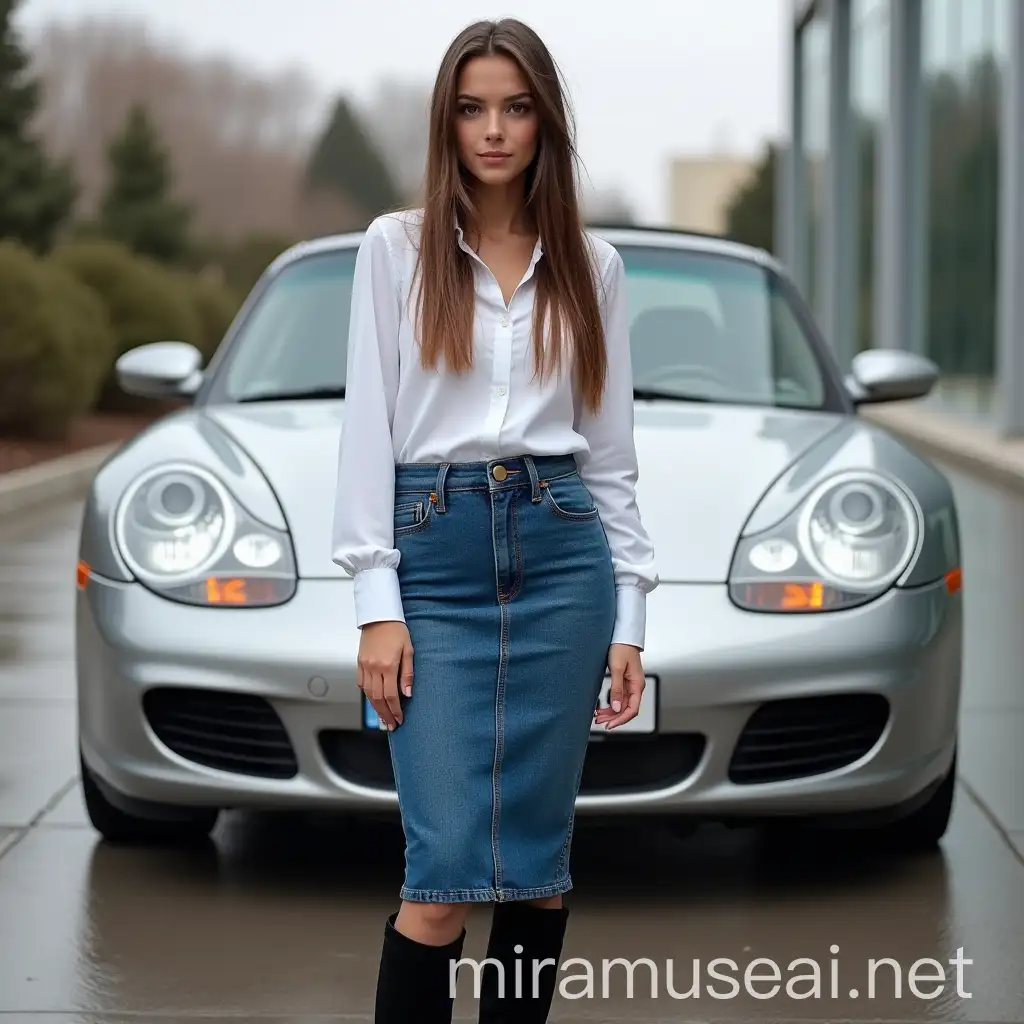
442	473
531	468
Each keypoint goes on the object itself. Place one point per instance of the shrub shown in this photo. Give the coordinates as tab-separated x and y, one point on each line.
92	334
55	343
145	303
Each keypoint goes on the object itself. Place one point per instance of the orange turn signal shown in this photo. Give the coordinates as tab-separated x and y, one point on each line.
954	580
230	591
803	595
799	596
241	591
82	574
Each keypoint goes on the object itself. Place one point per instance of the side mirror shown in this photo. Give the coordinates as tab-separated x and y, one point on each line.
163	369
890	375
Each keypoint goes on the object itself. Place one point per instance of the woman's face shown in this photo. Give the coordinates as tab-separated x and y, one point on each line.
496	120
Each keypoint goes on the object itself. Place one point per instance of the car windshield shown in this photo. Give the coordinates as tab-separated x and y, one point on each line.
704	328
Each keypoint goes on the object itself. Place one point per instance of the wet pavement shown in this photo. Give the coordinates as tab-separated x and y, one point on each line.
279	918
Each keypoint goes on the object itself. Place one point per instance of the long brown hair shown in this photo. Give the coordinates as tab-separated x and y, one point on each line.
566	283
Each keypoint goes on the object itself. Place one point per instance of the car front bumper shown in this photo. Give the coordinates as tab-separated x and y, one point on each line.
862	705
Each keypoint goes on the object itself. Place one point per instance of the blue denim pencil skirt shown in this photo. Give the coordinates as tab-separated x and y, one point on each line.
509	595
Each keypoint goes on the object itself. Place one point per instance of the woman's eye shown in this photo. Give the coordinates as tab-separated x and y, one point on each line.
469	108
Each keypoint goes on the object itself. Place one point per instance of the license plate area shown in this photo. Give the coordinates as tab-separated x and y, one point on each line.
646	721
371	720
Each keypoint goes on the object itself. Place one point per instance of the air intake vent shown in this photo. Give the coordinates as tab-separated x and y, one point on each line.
806	736
232	732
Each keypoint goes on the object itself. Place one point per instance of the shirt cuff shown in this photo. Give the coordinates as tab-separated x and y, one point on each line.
630	616
377	596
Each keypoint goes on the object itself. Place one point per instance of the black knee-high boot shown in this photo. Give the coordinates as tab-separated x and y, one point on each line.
539	933
414	982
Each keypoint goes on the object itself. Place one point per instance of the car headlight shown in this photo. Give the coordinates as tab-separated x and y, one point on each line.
185	536
846	544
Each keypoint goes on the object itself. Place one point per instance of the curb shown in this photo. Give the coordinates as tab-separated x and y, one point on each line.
55	478
969	446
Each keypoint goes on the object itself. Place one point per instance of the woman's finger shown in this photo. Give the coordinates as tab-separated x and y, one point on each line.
631	705
391	700
406	670
380	704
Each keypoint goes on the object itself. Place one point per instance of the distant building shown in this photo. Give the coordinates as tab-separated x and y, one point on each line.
701	187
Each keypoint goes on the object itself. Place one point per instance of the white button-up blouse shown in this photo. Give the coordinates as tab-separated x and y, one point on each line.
396	412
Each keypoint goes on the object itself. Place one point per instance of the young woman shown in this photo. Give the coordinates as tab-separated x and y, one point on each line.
486	510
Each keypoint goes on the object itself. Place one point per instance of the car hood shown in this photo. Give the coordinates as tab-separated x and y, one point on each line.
703	468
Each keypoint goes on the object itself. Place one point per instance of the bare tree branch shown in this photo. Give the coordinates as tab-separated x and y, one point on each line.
239	140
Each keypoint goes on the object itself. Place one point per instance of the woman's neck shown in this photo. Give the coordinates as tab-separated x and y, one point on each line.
501	211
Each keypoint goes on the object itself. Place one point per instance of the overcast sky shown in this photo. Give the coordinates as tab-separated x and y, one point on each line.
648	78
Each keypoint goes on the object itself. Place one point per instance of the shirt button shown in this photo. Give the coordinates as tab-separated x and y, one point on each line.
504	321
501	391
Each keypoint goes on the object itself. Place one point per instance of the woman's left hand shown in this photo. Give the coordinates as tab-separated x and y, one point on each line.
627	686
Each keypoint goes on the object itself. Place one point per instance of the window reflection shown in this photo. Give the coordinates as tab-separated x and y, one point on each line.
870	24
962	82
1001	30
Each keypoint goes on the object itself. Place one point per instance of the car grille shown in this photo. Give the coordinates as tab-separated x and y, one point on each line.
233	732
619	765
805	736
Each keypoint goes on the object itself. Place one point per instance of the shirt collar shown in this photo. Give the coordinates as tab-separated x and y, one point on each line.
538	249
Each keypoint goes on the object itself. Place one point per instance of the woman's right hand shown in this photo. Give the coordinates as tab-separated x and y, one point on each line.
384	663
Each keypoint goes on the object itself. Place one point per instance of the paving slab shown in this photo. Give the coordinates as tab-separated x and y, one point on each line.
280	917
38	757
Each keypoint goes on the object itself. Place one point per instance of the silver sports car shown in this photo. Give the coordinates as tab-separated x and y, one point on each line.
804	647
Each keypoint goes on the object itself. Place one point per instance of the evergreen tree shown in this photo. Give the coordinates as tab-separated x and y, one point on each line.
36	196
346	163
750	216
137	208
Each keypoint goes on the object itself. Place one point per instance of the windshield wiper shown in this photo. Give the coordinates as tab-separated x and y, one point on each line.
677	396
326	391
334	391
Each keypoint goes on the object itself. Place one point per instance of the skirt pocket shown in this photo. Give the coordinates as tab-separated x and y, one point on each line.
411	516
569	498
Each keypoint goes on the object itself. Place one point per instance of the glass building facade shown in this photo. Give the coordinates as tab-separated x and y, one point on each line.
869	29
814	148
903	206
